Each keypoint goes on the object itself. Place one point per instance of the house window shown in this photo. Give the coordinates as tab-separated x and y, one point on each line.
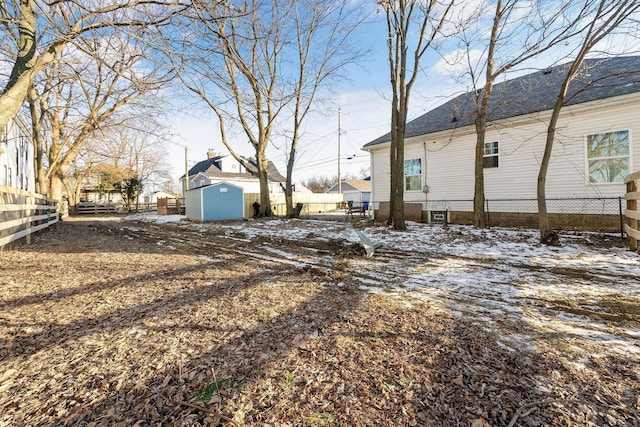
413	175
490	156
608	157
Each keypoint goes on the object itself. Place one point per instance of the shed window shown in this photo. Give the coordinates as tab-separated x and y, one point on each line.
608	157
490	156
413	174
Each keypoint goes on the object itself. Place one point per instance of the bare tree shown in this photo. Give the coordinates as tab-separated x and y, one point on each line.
402	15
607	16
517	32
320	184
64	21
78	101
80	171
322	37
260	66
230	56
131	155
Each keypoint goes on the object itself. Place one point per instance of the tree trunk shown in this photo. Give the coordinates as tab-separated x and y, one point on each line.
479	217
392	179
55	187
398	176
265	199
74	197
547	236
16	88
543	216
25	66
392	162
288	190
38	143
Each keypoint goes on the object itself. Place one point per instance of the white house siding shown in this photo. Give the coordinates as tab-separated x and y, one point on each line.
448	167
230	165
380	174
16	157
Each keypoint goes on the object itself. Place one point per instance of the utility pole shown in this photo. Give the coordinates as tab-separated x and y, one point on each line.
339	177
186	171
339	133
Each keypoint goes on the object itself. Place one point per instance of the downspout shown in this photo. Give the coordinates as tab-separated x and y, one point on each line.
426	182
372	197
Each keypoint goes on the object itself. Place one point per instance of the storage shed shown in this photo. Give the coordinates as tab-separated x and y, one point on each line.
216	202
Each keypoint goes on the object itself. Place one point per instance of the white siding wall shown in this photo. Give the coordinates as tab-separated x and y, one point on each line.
16	157
230	165
449	166
380	174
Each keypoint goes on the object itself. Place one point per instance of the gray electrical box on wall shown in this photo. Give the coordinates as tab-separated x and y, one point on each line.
425	189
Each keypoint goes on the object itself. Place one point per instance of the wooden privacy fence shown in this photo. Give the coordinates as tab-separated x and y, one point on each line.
632	214
167	206
23	213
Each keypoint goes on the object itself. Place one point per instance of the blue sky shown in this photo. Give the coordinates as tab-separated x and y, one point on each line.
363	101
365	115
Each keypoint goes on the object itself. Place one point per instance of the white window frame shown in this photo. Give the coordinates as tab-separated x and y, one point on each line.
493	153
588	160
412	175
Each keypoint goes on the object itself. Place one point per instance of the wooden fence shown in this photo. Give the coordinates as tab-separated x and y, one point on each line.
167	206
632	214
98	209
23	213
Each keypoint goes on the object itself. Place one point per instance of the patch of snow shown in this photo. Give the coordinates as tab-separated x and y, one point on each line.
495	276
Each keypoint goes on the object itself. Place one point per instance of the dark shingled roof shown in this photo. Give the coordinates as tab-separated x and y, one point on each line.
212	167
598	79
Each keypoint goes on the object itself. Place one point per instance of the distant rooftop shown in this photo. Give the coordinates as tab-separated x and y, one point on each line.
212	167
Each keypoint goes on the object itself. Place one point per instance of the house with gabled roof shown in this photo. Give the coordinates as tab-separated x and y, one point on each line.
357	191
597	144
215	169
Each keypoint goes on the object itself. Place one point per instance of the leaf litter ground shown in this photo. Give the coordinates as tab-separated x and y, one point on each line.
154	321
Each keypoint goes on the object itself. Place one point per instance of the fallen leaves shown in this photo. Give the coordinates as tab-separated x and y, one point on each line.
98	329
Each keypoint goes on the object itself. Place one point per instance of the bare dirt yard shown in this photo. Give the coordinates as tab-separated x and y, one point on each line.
150	322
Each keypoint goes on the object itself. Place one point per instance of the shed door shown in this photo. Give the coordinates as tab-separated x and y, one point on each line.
222	202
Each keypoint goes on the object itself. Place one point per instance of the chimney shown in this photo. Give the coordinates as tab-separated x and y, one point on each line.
211	153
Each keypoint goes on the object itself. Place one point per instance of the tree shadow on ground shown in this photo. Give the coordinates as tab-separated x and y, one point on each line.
277	344
175	300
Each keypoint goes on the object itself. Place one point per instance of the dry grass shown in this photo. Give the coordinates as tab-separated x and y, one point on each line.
101	326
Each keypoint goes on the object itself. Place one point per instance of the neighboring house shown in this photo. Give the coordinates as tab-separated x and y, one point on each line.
92	193
217	169
154	196
357	191
16	156
597	144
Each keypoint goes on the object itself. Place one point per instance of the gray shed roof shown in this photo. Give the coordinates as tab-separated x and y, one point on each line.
598	79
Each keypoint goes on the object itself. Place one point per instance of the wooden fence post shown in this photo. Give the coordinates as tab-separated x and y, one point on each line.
28	200
632	206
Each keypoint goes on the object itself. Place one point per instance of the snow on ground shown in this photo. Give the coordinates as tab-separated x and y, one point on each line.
586	291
